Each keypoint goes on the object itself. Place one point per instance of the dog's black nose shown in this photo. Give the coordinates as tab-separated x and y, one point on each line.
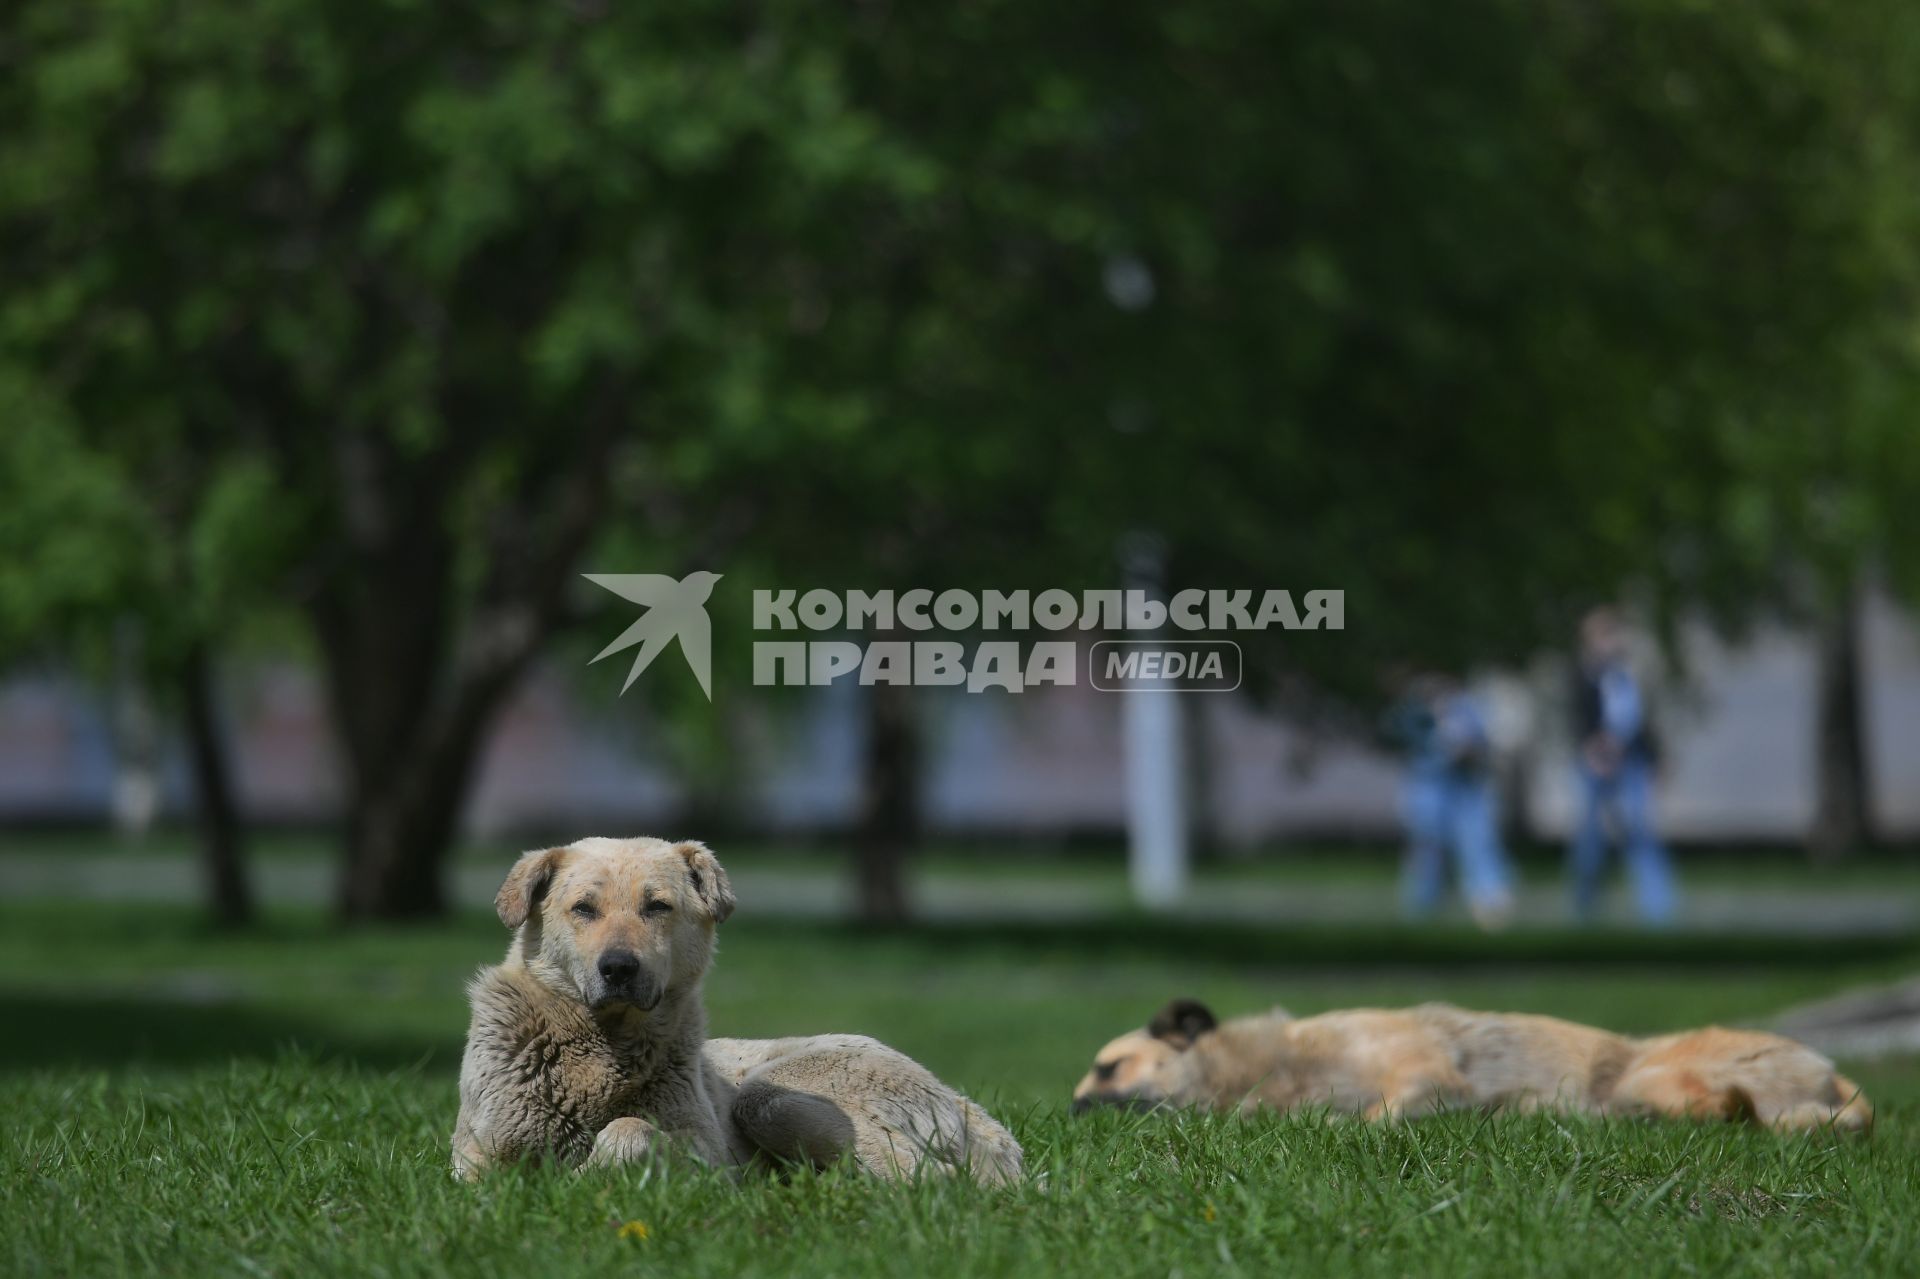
618	967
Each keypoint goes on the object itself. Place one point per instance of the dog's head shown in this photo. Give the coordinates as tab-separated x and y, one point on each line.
1150	1067
619	923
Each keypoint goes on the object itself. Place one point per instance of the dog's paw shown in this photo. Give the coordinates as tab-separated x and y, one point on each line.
624	1141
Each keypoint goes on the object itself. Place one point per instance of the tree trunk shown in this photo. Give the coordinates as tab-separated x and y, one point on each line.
414	716
399	831
222	861
419	658
1843	816
889	807
1203	816
414	705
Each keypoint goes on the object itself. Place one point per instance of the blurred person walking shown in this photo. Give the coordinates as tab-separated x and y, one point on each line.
1619	756
1448	802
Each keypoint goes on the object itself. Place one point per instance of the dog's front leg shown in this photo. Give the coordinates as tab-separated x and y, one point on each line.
628	1140
631	1140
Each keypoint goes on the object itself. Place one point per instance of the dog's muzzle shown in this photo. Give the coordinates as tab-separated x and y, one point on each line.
1081	1105
625	980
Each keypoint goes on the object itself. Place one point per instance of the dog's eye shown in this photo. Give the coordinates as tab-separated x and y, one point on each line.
1103	1070
658	907
585	910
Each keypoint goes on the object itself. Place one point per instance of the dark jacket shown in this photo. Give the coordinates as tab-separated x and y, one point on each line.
1588	718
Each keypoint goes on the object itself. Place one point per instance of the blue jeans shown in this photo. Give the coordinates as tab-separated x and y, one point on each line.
1627	794
1446	813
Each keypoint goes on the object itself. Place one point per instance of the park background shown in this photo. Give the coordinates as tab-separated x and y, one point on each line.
337	341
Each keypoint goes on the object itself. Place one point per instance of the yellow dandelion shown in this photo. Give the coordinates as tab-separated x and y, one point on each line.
1207	1213
635	1230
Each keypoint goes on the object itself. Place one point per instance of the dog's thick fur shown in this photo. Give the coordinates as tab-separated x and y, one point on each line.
1387	1063
588	1045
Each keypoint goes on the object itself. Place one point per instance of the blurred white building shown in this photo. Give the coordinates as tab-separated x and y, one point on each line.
1045	763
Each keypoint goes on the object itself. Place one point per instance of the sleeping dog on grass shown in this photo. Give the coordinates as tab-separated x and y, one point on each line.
1383	1064
589	1046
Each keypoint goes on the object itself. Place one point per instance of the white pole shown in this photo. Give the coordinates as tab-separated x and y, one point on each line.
1156	798
1156	765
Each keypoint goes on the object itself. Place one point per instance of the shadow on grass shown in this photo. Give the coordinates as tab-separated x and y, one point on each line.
179	937
99	1032
1348	946
60	1010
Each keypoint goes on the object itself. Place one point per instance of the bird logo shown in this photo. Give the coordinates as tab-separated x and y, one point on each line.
675	610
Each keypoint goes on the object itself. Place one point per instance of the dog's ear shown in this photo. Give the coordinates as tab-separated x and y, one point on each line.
710	883
1182	1021
525	882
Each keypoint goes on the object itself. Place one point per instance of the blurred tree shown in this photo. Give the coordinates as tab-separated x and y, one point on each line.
1476	311
150	545
1482	313
448	275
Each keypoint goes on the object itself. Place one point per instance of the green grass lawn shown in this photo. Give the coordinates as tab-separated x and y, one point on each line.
278	1102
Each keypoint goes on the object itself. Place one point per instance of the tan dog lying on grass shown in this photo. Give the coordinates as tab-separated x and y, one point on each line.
589	1044
1388	1063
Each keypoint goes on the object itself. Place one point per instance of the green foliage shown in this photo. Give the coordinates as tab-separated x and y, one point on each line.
72	536
150	531
1480	311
